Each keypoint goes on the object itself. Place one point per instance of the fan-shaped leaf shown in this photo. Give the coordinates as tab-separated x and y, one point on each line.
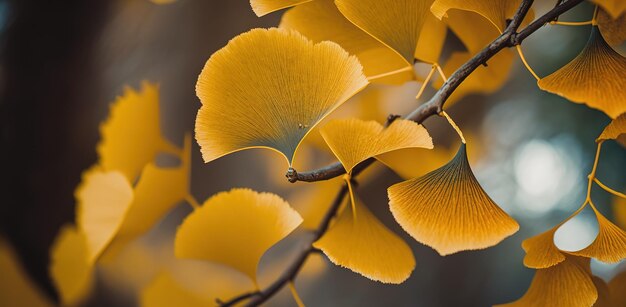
567	284
321	20
541	251
264	7
354	140
131	136
596	77
158	191
448	210
69	268
431	41
496	11
236	228
269	88
609	245
360	242
396	23
614	130
103	199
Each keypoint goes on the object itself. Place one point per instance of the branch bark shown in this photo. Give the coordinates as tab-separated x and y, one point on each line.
509	38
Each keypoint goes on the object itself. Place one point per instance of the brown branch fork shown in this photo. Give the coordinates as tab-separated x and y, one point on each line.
509	38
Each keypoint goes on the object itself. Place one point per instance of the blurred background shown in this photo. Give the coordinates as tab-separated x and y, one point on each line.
61	66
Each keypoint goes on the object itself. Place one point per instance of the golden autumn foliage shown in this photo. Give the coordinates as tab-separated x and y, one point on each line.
276	89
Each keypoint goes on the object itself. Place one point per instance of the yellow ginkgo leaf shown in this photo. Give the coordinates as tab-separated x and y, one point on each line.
131	136
616	289
269	88
16	288
360	242
264	7
448	210
396	23
236	228
613	29
596	77
567	284
609	245
431	41
353	140
541	252
156	193
70	269
614	7
496	11
320	20
164	291
614	130
103	199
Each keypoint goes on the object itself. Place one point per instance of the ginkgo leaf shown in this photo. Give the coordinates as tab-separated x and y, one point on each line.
156	193
103	199
609	245
360	242
596	77
396	23
235	228
70	269
264	7
616	289
613	29
496	11
320	20
164	291
269	88
353	140
614	130
131	136
448	210
16	288
614	7
541	252
567	284
431	41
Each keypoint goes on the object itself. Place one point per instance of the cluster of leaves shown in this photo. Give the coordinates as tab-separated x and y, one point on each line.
271	88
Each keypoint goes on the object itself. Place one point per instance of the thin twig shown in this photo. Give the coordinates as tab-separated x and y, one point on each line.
508	38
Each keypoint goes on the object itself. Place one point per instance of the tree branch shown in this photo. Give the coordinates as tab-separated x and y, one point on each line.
508	38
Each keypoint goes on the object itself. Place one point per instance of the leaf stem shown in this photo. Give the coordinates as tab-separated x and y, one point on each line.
608	189
454	125
523	58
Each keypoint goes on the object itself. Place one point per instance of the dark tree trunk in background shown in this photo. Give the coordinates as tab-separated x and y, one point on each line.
47	76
